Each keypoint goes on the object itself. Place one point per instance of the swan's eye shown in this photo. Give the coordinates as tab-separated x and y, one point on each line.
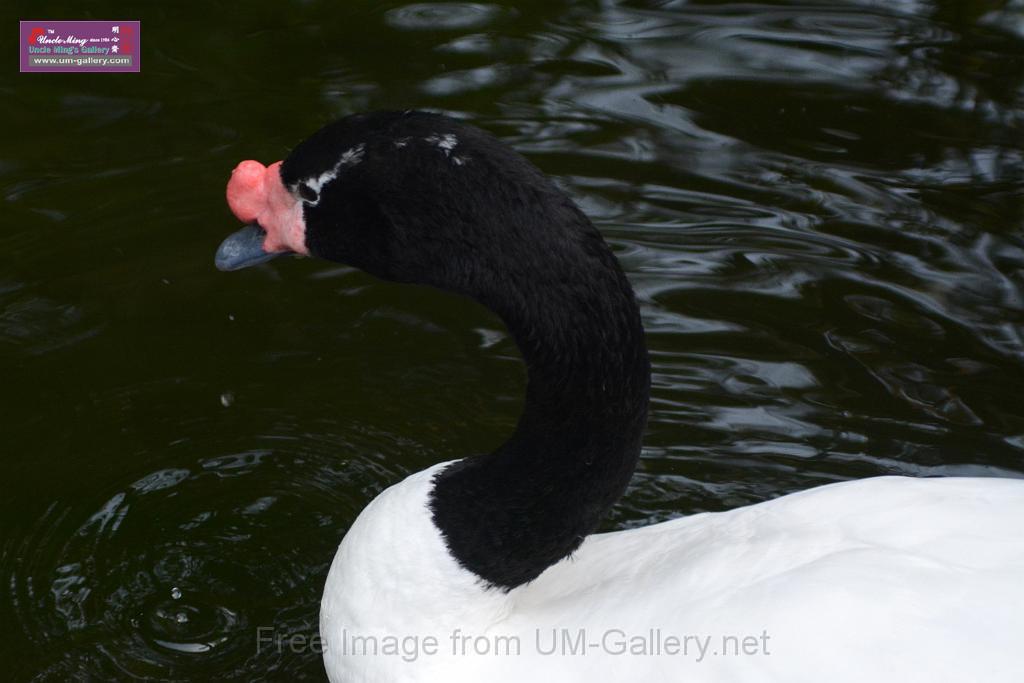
307	193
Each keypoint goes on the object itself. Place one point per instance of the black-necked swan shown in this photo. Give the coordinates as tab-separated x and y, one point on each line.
486	568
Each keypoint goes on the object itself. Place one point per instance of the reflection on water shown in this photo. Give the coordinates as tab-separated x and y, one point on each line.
175	572
820	206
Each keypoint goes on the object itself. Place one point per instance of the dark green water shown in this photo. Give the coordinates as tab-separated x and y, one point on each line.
821	207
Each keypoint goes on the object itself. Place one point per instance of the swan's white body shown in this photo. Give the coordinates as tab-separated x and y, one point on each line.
885	579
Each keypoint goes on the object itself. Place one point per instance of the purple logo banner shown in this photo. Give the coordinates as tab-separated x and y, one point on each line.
72	46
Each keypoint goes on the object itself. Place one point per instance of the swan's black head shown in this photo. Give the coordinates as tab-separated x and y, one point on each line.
412	197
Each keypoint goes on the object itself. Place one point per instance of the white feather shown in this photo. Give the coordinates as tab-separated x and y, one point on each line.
350	157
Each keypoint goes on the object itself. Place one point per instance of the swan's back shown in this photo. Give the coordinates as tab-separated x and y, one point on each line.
879	579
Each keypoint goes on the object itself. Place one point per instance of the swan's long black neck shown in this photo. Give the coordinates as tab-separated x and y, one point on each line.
510	514
423	198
